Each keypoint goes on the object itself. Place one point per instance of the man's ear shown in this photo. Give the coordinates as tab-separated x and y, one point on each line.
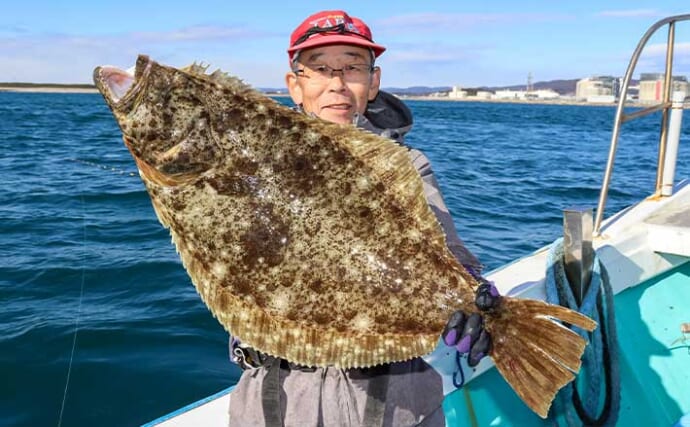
294	88
375	83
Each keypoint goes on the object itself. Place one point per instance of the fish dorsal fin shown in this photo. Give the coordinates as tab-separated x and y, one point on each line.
198	69
218	76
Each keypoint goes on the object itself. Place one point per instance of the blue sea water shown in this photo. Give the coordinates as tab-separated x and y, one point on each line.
81	247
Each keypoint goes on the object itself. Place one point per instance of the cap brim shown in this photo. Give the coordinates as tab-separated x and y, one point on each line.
330	39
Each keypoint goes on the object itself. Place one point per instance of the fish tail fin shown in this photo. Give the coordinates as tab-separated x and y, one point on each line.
535	353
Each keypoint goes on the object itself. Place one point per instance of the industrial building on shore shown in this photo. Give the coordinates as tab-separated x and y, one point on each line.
652	87
598	89
607	88
594	89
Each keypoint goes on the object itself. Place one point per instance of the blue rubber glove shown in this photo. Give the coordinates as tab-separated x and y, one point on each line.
466	332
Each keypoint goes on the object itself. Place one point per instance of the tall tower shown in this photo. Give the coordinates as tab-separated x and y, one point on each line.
529	82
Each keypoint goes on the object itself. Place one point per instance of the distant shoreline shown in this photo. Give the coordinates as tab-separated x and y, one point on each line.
510	101
560	101
47	88
58	88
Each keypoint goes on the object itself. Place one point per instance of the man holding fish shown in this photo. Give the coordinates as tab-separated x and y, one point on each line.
333	76
327	250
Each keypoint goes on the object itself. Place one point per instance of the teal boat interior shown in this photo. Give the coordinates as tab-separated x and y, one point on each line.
654	361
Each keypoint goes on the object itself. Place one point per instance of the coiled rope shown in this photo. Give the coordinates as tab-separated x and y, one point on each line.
601	352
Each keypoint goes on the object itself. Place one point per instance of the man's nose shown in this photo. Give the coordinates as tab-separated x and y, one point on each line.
339	72
337	80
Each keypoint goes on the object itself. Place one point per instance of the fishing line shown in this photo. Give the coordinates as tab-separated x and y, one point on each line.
104	167
83	279
78	318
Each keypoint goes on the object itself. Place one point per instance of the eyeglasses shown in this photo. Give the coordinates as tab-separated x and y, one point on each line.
349	72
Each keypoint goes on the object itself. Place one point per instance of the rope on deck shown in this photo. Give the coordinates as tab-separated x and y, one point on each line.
600	355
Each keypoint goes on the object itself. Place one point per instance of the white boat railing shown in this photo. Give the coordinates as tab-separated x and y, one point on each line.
665	161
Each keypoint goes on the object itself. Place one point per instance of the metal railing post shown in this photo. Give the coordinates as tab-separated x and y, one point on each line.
620	117
668	81
672	142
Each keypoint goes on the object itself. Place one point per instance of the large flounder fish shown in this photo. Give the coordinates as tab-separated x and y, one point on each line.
313	241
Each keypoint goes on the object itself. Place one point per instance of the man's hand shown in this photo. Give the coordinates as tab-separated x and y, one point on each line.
467	332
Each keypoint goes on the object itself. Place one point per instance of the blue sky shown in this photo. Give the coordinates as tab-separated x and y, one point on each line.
429	42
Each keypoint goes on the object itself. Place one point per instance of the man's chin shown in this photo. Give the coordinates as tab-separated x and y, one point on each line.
337	116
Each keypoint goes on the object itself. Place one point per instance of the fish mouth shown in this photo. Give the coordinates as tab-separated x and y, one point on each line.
119	87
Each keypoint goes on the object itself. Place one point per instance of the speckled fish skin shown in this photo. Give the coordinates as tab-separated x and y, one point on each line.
308	240
288	225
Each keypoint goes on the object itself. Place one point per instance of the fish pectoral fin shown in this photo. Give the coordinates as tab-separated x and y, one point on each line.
180	164
153	175
192	156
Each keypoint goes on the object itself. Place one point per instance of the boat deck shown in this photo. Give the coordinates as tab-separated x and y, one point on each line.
670	229
655	352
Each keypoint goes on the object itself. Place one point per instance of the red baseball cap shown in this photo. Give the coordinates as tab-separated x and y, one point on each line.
332	27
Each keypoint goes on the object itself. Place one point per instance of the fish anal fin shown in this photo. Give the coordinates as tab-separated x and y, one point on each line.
313	346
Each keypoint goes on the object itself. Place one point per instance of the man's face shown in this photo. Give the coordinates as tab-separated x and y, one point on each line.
334	96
